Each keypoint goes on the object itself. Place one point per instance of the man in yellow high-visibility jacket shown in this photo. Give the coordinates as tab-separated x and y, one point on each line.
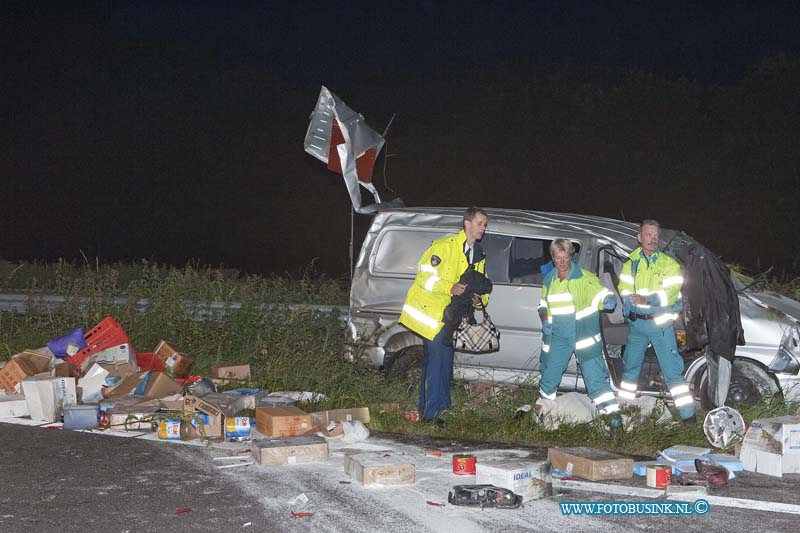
650	285
435	284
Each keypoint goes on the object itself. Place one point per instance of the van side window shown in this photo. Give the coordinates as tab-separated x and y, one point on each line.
398	250
526	258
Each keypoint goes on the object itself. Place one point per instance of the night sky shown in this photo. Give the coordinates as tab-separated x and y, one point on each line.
173	131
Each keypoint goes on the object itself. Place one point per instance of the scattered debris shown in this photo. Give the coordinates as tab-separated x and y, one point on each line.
724	427
301	514
184	510
484	496
435	504
591	464
299	499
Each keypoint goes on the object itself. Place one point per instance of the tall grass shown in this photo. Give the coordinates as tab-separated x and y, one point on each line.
290	348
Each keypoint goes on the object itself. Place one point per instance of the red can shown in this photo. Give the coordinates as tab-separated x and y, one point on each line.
659	476
464	465
412	416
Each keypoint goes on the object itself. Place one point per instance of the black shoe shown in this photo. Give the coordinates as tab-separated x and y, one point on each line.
440	423
692	420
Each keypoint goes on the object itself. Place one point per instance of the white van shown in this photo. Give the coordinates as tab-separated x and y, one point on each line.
517	244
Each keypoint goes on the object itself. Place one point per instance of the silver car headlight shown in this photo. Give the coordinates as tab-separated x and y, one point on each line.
788	356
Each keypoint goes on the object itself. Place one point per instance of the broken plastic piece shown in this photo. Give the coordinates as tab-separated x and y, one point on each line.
302	514
484	496
184	510
300	498
435	504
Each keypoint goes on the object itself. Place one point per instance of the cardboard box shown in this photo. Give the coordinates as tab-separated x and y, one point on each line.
213	419
530	479
13	406
290	450
42	398
175	362
40	361
65	370
230	404
125	387
779	435
234	372
115	355
127	401
160	385
771	446
14	371
322	418
66	391
591	464
379	468
282	421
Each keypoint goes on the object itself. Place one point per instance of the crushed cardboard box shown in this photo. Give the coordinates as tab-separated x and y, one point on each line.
771	446
379	468
591	464
231	372
175	362
323	418
530	479
13	405
291	450
14	371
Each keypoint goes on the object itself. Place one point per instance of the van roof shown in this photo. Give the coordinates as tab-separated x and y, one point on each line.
619	231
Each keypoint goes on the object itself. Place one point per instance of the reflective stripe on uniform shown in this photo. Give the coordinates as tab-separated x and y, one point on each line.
627	278
683	400
603	398
625	292
421	317
599	297
583	313
585	343
546	396
679	389
628	386
670	281
567	310
666	317
627	395
545	348
613	408
542	303
431	282
559	297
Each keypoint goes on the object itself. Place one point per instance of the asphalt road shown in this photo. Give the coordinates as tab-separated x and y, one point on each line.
66	481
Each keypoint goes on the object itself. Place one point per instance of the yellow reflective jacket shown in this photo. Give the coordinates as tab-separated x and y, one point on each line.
438	270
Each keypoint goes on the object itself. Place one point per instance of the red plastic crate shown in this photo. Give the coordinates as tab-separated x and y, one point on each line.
149	361
106	334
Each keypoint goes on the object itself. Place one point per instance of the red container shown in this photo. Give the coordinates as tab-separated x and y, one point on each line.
149	361
464	465
659	476
106	334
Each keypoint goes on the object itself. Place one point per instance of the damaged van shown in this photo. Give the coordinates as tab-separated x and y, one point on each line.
765	362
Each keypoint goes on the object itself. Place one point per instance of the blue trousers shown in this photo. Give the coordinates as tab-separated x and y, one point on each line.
434	387
644	332
553	364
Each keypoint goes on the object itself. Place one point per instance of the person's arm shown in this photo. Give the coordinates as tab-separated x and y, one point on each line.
428	277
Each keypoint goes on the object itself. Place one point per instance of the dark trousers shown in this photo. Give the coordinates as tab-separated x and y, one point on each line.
434	387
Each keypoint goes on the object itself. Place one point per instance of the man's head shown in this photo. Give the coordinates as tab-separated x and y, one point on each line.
648	236
475	222
561	251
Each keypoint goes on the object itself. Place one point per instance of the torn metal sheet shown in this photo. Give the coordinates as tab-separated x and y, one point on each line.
341	138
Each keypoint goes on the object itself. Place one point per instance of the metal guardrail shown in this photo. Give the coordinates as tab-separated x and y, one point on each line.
18	303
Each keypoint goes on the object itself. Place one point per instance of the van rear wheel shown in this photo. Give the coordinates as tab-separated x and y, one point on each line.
749	384
405	364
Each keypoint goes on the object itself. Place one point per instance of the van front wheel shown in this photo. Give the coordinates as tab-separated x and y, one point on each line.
749	384
405	363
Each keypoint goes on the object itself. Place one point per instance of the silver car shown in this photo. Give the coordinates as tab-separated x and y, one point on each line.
517	245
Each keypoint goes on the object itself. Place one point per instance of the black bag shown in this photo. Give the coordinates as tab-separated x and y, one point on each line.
483	337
